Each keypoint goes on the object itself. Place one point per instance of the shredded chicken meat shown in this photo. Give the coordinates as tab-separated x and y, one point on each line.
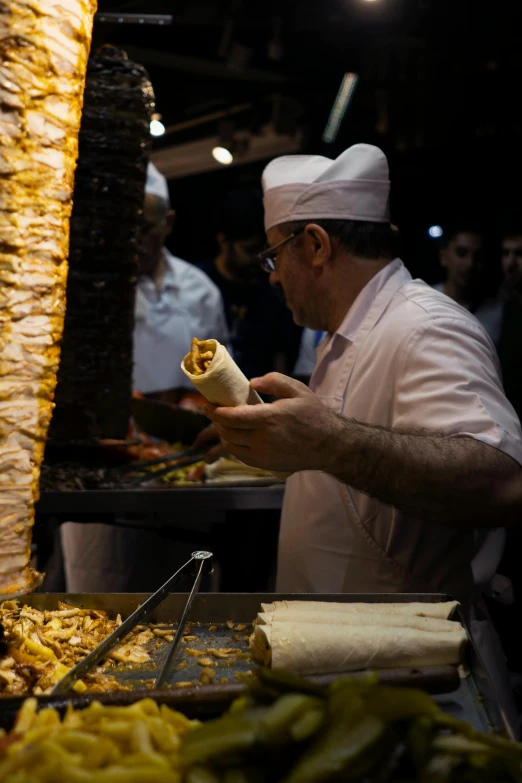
44	46
39	647
201	359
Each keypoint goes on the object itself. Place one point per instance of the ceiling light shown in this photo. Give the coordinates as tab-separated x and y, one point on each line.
222	155
157	128
341	103
435	232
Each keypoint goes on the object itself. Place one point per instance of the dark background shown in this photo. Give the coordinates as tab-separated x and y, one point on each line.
439	92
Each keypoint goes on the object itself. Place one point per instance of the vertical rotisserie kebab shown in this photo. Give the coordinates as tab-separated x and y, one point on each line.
93	395
44	46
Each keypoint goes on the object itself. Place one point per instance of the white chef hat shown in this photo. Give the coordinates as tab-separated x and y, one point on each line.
156	184
356	186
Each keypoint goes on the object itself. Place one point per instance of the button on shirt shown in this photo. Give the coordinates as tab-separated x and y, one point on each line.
187	305
405	356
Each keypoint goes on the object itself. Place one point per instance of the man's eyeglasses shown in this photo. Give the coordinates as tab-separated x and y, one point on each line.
267	259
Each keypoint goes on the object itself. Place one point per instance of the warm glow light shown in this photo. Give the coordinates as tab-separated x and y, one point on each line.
435	232
157	128
341	103
222	155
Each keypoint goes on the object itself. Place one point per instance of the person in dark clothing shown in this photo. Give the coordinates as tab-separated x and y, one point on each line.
506	613
510	345
262	333
467	277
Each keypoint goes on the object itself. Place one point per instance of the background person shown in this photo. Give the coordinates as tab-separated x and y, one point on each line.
262	333
175	301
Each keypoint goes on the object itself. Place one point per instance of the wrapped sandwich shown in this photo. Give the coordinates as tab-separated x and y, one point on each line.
217	377
319	637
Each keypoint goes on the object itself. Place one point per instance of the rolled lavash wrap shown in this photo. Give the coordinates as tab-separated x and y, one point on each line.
222	383
442	610
319	648
355	620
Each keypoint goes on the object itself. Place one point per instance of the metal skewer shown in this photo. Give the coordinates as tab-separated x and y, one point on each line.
194	565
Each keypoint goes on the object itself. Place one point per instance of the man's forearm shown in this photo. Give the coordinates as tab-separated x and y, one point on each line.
445	480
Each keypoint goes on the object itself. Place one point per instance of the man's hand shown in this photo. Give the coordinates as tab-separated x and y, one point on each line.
293	433
455	481
210	438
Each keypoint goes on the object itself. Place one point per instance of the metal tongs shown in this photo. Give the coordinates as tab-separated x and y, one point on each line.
175	461
195	566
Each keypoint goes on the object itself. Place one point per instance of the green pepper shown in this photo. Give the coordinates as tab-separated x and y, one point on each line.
200	774
263	694
337	750
493	740
439	769
419	740
285	682
240	704
308	724
226	736
397	704
280	717
360	684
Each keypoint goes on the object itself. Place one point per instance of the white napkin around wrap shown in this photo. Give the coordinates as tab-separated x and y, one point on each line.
223	383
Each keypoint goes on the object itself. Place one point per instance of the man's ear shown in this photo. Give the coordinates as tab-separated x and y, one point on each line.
317	245
171	220
442	258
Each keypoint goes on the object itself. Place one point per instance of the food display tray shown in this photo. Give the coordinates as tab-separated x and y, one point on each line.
470	698
174	501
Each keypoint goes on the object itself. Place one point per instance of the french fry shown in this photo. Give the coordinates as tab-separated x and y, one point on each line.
101	744
26	716
39	650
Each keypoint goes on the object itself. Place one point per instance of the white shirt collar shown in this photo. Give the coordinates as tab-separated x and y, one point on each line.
358	311
170	280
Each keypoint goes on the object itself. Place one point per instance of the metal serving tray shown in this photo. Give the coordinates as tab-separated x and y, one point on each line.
472	701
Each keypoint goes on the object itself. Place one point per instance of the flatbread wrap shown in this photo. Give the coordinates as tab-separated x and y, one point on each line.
216	376
432	624
313	648
441	610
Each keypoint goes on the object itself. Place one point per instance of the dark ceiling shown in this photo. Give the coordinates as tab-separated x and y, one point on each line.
439	92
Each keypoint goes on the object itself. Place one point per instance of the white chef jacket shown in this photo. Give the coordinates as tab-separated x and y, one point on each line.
489	313
188	305
405	356
307	358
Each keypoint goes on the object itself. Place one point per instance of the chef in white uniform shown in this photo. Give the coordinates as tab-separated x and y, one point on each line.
175	301
405	434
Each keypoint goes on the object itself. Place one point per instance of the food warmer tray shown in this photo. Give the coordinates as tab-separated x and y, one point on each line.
174	500
473	700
